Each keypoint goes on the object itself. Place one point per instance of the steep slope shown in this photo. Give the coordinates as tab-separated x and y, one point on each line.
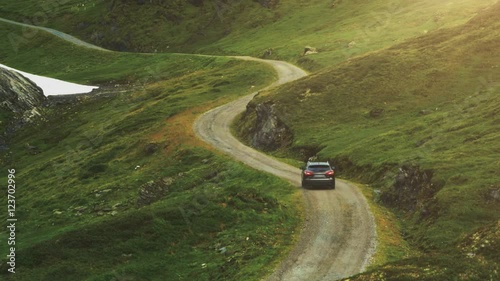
271	28
420	121
118	189
143	26
395	126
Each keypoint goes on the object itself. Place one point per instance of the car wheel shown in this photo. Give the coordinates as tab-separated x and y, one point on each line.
304	184
332	186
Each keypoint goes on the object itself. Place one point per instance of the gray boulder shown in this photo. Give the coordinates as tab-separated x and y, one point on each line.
20	95
269	131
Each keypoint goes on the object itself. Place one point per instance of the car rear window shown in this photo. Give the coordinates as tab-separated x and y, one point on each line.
319	168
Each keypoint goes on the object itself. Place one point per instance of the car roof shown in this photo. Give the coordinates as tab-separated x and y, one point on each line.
318	163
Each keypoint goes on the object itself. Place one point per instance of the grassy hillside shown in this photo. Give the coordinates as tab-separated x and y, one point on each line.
116	187
403	84
428	106
144	26
275	29
56	58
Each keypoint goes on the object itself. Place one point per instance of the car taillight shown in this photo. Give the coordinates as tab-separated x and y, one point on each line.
330	173
308	173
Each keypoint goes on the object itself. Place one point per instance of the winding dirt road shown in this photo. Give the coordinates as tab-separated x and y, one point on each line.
338	237
62	35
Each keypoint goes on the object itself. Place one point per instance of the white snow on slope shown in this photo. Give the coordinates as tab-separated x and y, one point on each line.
52	87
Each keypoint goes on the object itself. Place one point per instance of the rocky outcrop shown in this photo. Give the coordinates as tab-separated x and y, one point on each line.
264	129
483	245
412	191
308	50
20	96
153	191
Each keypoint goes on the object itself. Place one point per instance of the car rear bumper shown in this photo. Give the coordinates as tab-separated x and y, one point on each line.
318	181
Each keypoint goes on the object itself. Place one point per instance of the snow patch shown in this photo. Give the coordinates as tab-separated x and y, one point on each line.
52	86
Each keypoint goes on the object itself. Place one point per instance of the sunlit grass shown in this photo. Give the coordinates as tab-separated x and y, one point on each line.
438	112
339	32
79	193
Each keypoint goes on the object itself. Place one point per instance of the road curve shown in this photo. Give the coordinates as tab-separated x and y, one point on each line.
338	237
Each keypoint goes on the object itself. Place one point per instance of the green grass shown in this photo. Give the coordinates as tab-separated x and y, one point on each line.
177	238
58	59
440	97
246	28
78	213
391	246
374	55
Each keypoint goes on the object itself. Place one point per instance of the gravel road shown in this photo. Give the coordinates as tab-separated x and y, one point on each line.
338	237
